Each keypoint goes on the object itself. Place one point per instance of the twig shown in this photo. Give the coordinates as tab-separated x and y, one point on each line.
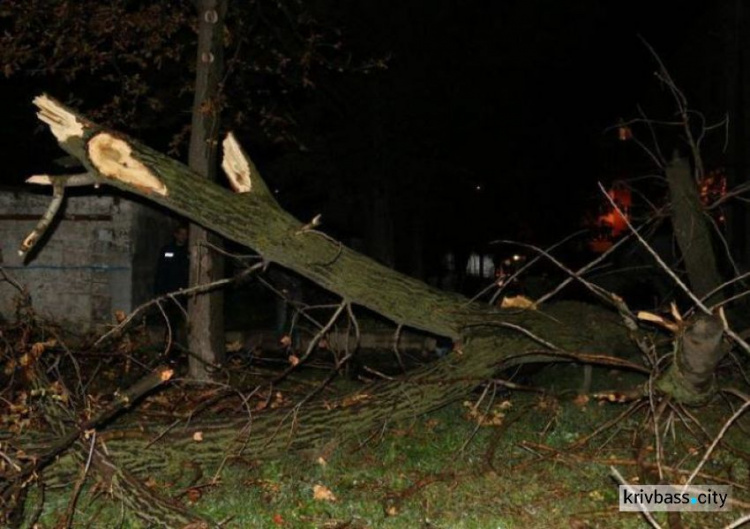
396	338
39	507
9	279
618	477
169	327
357	338
479	419
313	342
596	290
723	286
198	289
621	417
520	271
738	522
79	484
716	441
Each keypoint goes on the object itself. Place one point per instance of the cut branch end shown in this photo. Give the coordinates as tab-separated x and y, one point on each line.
236	166
113	158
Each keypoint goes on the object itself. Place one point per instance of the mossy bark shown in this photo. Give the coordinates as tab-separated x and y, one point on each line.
486	338
692	230
698	350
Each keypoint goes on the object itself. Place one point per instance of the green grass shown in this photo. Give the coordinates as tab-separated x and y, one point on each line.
435	472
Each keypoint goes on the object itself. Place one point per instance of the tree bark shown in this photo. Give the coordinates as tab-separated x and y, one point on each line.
70	446
486	338
692	231
690	378
206	311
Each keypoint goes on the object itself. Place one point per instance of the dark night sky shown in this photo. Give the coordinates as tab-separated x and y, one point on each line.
516	95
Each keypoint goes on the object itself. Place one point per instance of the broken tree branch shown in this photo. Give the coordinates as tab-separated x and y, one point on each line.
58	194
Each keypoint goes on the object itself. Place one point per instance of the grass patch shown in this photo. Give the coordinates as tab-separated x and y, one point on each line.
439	471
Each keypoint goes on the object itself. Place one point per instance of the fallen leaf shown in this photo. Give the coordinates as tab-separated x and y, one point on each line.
278	519
323	493
198	437
517	302
233	347
194	495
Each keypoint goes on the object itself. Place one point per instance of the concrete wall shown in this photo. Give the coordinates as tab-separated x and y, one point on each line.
99	257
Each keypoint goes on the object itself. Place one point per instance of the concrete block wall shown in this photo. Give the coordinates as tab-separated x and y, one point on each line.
100	256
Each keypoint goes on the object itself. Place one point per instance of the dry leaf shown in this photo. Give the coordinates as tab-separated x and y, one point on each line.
322	462
581	400
323	493
655	318
278	519
233	347
355	399
198	437
517	302
194	495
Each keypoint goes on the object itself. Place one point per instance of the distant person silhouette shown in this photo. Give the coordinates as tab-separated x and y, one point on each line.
173	274
173	269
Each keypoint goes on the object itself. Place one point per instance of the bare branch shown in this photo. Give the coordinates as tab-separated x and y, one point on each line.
58	194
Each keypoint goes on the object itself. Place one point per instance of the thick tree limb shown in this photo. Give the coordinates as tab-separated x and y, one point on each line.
123	400
690	378
692	231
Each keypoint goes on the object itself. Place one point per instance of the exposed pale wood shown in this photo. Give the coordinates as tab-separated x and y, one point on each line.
113	158
236	166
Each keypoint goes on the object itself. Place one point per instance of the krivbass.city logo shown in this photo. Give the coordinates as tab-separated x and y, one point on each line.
654	498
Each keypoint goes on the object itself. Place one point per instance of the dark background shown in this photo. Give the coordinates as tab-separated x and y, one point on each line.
493	119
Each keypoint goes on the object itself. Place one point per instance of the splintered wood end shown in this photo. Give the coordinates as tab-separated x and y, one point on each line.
236	166
39	179
63	123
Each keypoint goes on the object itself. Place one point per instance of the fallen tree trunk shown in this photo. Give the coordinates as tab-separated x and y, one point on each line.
252	217
485	337
318	426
